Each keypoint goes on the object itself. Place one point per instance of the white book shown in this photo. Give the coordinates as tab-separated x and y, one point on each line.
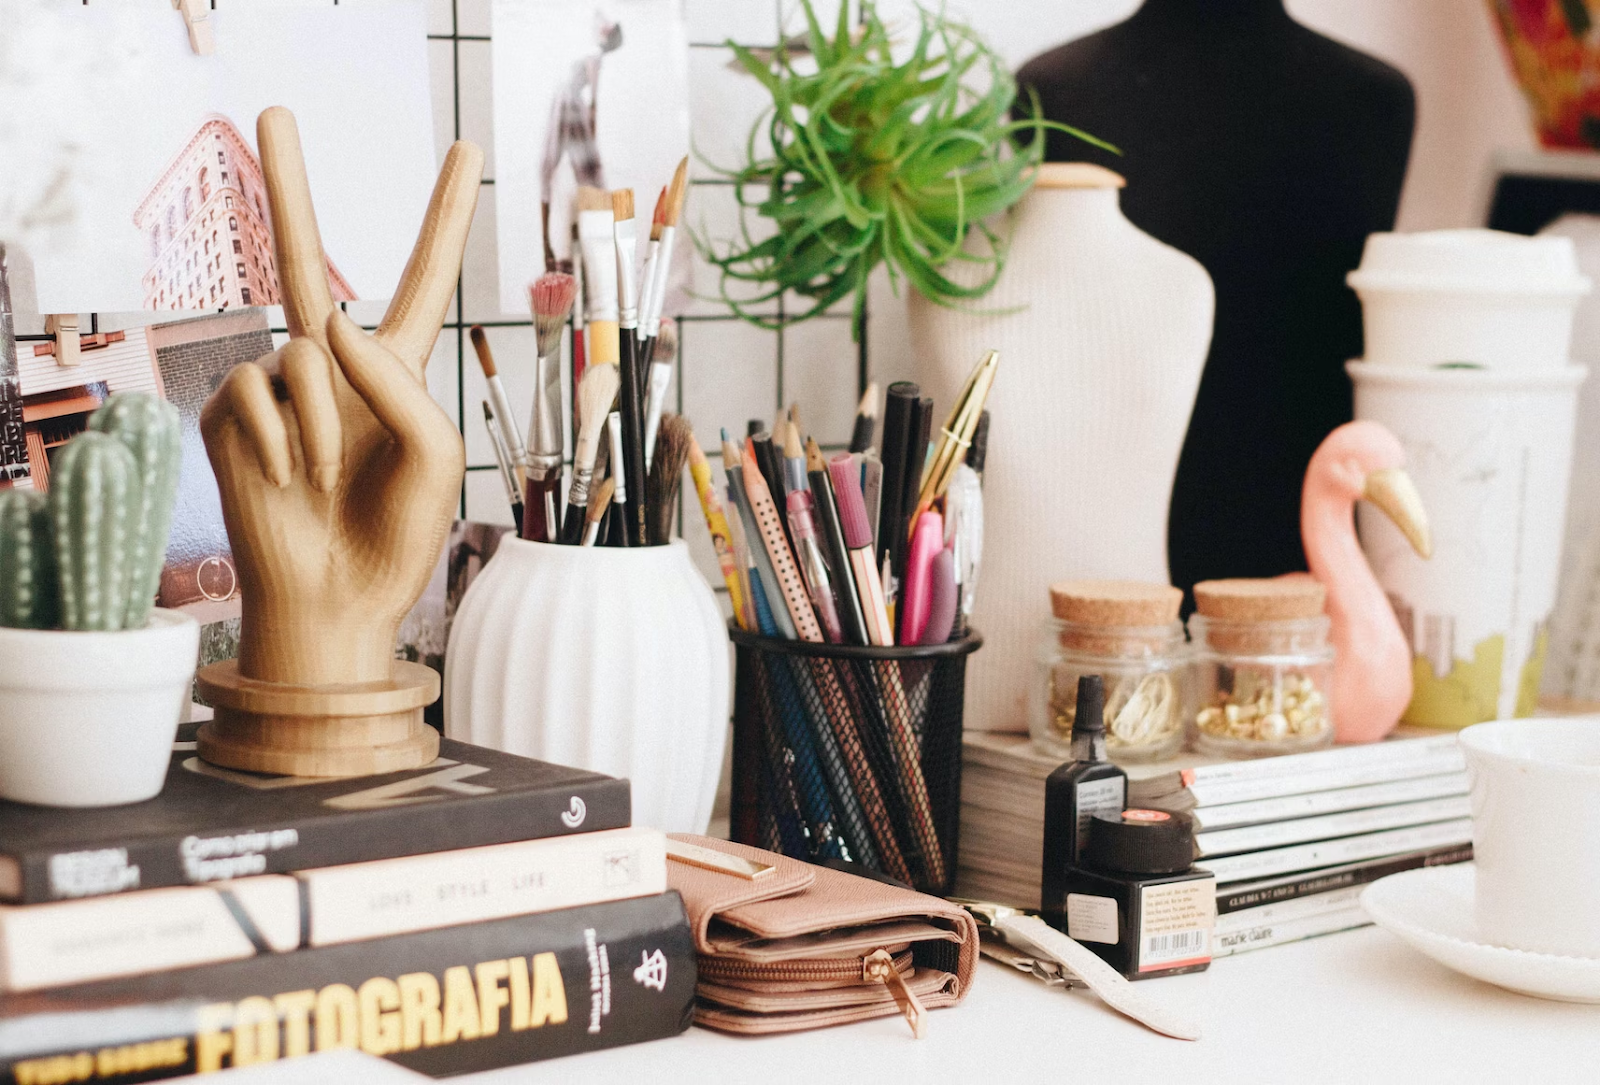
1262	864
1301	830
1276	933
47	945
1229	816
1324	777
1394	751
1285	911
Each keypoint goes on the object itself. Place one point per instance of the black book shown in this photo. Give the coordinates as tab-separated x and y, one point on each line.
210	824
442	1002
1242	895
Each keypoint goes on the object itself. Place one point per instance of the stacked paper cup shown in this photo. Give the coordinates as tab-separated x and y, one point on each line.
1467	361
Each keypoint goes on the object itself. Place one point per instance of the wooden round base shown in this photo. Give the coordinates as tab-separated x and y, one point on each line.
347	730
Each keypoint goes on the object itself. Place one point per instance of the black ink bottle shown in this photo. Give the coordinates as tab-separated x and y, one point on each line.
1087	785
1136	899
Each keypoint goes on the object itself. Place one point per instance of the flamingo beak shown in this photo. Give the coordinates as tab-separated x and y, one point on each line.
1392	490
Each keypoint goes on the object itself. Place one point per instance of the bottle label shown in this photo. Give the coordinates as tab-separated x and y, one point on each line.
1103	796
1092	919
1175	924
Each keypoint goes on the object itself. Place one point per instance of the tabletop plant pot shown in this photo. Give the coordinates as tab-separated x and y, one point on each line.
87	718
609	659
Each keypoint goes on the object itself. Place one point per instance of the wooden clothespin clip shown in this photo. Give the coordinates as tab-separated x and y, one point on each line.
64	326
197	17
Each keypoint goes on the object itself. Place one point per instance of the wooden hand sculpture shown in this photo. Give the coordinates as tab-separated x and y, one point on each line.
339	477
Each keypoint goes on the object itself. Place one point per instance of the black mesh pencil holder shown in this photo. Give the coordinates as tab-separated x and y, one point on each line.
841	752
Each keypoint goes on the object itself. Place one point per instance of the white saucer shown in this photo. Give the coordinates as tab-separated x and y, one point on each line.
1431	908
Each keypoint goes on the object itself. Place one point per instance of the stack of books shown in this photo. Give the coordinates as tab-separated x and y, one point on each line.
481	911
1292	840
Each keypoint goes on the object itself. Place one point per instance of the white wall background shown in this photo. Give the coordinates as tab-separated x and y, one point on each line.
1467	106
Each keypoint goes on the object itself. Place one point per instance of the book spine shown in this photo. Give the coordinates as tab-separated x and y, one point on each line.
132	934
1312	804
1325	779
1302	830
1278	933
1398	751
1288	911
1232	899
1261	864
443	1002
384	822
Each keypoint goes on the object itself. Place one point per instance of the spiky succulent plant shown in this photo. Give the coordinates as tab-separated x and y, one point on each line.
875	160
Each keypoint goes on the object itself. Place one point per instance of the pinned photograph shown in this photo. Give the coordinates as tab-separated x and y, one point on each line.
586	92
178	220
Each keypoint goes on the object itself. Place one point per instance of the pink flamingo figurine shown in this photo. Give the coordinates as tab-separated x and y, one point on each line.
1372	663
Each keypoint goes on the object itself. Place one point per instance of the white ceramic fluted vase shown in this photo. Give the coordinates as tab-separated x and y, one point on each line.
613	660
1102	332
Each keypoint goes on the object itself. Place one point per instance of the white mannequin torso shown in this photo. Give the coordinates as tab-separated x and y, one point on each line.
1098	373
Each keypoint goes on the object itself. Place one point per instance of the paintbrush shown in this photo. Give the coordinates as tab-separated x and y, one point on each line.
598	502
631	397
866	420
647	277
595	393
658	384
551	297
666	476
596	229
622	501
503	417
502	456
671	212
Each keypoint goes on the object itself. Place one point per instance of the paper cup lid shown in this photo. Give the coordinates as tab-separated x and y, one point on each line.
1490	261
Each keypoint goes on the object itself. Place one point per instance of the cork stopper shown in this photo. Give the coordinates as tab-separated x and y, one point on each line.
1122	618
1076	175
1115	602
1278	599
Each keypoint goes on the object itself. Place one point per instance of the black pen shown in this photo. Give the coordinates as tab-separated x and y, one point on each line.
899	428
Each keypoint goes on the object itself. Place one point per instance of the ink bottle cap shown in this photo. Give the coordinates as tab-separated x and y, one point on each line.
1090	717
1141	842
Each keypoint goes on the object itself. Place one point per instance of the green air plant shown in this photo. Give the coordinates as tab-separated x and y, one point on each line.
874	161
89	555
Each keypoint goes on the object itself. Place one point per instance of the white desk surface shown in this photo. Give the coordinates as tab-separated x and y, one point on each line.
1354	1007
1358	1007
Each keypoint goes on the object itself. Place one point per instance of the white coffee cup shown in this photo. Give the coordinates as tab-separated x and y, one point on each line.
1536	832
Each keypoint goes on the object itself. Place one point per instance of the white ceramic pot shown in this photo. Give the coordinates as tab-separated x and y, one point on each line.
1478	296
1102	332
87	719
613	660
1535	827
1491	452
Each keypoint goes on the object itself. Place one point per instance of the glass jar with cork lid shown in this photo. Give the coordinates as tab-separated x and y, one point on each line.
1263	667
1128	632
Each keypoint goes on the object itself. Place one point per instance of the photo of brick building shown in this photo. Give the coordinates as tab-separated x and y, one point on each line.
208	228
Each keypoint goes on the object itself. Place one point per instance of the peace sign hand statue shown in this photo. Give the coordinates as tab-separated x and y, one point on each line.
337	492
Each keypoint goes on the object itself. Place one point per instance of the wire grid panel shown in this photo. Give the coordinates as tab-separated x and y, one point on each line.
728	371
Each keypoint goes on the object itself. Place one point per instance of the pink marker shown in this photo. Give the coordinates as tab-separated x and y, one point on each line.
918	595
858	541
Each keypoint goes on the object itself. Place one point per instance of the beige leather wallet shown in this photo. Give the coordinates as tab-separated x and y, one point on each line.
784	946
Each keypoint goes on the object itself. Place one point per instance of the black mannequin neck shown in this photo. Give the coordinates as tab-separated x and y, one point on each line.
1203	13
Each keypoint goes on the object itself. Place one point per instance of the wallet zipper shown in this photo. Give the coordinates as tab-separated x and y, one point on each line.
878	966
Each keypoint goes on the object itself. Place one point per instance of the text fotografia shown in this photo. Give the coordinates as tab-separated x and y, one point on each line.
380	1017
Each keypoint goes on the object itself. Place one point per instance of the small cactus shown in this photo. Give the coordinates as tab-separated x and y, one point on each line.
150	427
94	498
27	562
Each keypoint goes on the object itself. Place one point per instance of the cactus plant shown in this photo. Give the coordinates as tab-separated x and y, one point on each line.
27	562
150	428
94	495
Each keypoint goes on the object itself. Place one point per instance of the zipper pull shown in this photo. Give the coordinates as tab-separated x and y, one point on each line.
879	968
